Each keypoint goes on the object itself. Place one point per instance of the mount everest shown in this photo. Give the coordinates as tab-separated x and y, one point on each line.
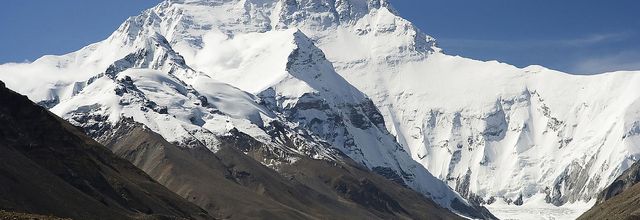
320	78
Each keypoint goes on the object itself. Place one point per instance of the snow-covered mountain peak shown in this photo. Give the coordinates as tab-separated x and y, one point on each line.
332	24
323	14
267	14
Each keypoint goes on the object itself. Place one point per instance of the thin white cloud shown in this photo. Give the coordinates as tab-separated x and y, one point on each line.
584	41
628	60
595	39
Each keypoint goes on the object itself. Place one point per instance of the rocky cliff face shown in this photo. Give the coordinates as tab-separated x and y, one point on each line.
628	179
620	199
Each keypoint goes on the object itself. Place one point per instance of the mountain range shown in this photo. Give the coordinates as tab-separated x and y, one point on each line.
276	98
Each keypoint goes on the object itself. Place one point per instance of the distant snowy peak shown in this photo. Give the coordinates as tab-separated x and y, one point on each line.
319	15
368	28
291	12
253	15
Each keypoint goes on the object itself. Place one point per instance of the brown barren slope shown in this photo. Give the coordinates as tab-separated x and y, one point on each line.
49	167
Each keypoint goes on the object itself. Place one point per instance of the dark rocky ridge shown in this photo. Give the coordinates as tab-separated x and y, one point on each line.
49	167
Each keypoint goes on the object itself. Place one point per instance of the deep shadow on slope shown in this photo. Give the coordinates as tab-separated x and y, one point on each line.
49	167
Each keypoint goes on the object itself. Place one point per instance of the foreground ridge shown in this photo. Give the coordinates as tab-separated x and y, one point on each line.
50	167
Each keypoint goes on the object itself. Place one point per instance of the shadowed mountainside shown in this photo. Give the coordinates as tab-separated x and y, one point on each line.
49	167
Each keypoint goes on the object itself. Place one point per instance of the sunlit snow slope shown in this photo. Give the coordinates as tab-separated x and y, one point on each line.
491	131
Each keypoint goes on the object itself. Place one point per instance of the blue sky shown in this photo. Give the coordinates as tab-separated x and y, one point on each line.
577	36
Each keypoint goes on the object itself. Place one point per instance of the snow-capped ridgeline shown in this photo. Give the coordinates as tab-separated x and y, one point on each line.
352	75
538	130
